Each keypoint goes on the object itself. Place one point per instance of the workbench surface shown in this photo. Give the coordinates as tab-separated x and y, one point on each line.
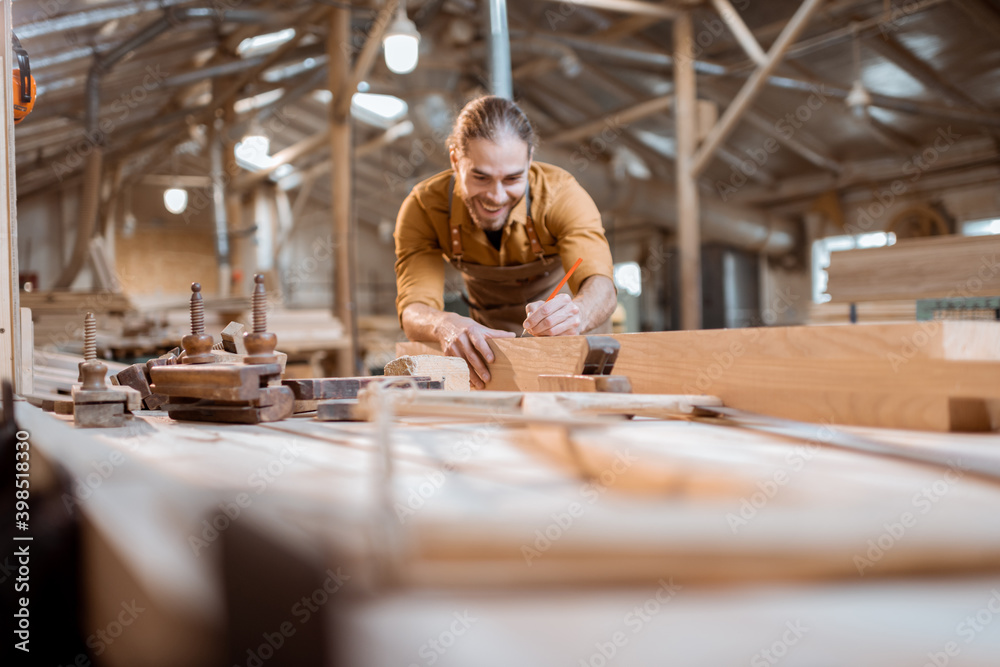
629	543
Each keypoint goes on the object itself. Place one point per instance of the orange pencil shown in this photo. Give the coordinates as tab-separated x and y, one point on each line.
560	285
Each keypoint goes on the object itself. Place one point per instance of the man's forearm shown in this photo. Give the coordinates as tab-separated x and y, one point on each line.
421	322
596	300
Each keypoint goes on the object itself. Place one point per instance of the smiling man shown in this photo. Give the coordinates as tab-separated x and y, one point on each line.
512	227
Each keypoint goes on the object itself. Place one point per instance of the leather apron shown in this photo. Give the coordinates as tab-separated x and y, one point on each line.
497	295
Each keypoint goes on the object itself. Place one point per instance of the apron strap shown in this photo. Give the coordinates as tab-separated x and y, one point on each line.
529	225
456	233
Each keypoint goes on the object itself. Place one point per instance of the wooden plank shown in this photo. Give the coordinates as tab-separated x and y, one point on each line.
948	266
898	375
10	327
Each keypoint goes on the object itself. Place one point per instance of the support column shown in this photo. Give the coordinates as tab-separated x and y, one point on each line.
340	156
686	119
10	315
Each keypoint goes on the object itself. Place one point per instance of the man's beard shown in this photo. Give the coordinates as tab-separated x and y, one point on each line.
491	223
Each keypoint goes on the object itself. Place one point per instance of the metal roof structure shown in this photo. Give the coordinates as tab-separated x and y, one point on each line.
859	100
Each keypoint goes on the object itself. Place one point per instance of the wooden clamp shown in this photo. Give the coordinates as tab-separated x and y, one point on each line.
95	405
227	393
595	371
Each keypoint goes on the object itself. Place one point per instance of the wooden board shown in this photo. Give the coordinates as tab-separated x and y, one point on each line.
947	266
894	375
454	372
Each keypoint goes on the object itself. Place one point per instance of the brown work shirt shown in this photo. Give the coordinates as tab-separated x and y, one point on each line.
566	219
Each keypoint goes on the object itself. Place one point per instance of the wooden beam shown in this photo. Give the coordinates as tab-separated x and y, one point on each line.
983	16
285	156
894	50
340	152
615	119
748	93
10	315
637	7
930	375
686	128
628	27
740	31
767	126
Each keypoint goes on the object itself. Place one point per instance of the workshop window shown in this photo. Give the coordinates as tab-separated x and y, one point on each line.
981	227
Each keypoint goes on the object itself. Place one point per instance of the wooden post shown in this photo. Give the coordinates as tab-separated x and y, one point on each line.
10	316
686	119
340	156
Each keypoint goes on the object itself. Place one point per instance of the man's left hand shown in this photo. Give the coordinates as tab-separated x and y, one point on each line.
558	317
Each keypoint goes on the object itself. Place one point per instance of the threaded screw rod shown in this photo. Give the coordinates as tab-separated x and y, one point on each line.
197	310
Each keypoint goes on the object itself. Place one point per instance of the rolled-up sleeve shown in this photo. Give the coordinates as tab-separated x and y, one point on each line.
419	262
575	221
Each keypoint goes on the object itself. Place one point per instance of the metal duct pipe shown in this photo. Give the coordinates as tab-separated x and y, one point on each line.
219	208
90	196
655	203
501	82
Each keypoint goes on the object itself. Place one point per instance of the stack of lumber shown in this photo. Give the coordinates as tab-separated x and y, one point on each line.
944	266
58	317
936	375
869	312
55	373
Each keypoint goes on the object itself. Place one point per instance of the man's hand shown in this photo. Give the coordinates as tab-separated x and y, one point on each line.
558	317
458	336
563	316
464	337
